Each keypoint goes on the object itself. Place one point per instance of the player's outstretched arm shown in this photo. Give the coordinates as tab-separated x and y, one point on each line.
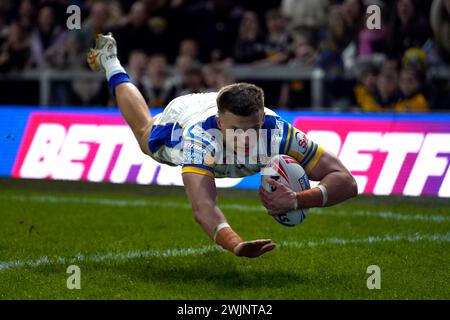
202	193
336	185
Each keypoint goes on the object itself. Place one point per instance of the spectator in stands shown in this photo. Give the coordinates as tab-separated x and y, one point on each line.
159	87
336	51
387	90
215	31
217	76
378	93
47	40
278	40
189	48
249	46
162	40
14	50
305	13
305	52
440	23
6	11
334	41
438	52
193	80
137	65
412	98
415	58
372	41
214	23
135	34
182	64
27	15
407	29
98	21
187	58
59	9
353	12
366	90
296	93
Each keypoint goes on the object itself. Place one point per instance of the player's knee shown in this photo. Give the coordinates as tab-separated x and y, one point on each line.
142	136
143	146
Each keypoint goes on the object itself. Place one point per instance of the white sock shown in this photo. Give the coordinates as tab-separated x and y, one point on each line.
112	66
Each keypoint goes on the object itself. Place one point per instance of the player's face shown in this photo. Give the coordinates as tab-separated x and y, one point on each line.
245	130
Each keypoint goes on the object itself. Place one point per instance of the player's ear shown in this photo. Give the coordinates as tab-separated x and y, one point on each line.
218	122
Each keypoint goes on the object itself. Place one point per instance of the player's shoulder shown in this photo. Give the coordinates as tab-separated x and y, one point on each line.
272	120
204	132
270	113
196	110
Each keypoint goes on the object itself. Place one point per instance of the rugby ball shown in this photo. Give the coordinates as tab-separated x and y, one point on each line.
289	172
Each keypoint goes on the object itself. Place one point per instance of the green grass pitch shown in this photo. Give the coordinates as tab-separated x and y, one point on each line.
141	242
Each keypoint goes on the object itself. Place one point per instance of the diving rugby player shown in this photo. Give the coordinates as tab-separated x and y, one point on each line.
192	132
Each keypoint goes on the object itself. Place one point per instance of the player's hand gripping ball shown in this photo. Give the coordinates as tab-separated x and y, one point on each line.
289	177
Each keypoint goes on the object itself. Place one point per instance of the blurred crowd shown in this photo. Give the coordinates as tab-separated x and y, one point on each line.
174	47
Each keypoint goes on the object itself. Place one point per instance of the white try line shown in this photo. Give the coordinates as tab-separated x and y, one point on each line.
178	252
237	207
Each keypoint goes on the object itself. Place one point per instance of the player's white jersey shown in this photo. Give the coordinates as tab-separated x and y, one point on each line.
187	134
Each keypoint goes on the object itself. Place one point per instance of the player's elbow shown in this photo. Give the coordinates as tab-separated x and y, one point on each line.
352	186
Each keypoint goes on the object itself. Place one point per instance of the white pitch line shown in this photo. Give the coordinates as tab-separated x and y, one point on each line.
238	207
177	252
110	256
384	215
372	239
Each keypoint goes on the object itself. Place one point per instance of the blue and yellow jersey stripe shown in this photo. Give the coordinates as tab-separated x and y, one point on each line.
199	169
306	152
199	147
162	135
198	151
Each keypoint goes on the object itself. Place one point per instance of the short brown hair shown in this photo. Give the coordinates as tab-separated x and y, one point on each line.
242	99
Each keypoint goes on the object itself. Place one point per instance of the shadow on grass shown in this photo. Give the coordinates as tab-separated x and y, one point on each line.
213	269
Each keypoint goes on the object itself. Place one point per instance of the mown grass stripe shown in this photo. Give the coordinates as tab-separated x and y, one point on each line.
177	252
238	207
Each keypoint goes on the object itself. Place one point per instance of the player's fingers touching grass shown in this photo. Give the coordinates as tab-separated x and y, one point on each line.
255	248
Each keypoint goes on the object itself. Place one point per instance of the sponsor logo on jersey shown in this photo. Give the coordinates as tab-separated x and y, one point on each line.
300	142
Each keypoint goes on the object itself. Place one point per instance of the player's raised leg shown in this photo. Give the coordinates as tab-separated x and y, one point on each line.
132	105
